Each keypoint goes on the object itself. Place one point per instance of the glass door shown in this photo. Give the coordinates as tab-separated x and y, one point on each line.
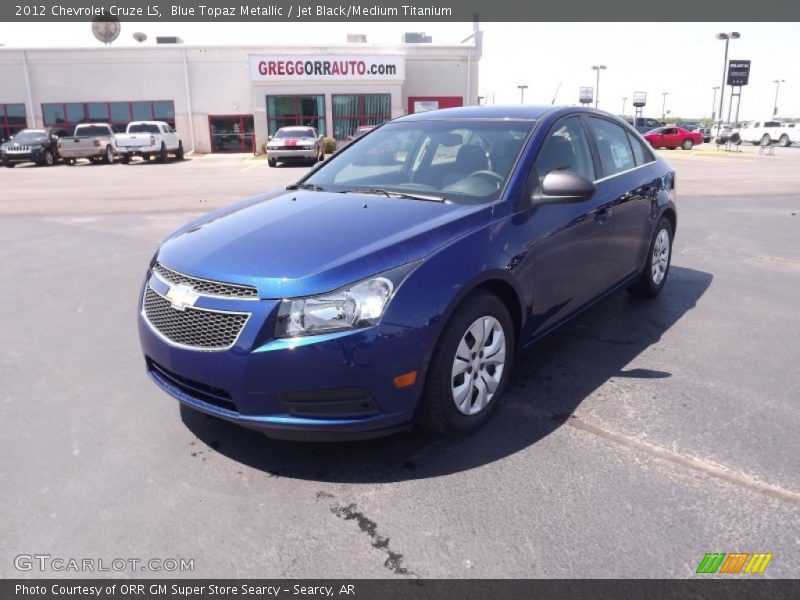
231	133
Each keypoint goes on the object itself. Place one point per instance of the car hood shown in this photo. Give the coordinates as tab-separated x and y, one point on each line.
303	243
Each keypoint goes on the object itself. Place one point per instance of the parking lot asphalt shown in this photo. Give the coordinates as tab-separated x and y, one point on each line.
631	443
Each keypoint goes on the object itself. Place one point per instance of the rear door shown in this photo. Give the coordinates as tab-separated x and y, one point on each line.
625	170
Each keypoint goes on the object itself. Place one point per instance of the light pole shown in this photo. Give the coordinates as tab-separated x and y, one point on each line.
597	68
733	35
624	100
664	105
522	89
777	83
714	105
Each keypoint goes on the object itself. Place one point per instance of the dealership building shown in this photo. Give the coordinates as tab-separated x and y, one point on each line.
230	98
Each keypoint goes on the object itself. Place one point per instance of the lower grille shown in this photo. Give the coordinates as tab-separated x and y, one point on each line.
194	389
193	327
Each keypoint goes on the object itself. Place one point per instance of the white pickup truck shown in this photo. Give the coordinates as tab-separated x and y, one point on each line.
148	139
94	141
770	131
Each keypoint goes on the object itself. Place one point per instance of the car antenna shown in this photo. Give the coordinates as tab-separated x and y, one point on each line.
556	94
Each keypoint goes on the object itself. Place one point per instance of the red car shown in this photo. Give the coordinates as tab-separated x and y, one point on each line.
673	137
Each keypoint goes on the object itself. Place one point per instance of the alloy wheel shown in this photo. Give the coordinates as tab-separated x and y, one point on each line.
660	259
478	365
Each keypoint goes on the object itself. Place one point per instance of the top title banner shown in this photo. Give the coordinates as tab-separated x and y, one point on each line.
399	10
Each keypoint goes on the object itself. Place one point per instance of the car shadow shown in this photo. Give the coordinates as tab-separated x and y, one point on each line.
549	383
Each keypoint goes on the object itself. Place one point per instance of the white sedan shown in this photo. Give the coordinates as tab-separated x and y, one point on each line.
295	143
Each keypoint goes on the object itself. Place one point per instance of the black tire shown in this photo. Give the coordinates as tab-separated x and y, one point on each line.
765	140
272	162
784	142
10	165
48	160
321	155
70	162
179	152
687	144
646	286
438	410
162	154
108	157
125	159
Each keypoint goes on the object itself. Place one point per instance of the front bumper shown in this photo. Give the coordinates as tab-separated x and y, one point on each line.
289	154
18	157
336	386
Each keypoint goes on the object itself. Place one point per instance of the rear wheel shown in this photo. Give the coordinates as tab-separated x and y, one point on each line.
179	153
109	155
70	162
272	162
10	165
687	144
784	141
654	273
765	139
124	159
470	367
162	154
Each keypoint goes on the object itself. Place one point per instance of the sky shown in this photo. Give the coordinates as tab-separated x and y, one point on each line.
683	59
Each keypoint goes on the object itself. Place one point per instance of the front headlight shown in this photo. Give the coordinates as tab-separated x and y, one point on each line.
358	305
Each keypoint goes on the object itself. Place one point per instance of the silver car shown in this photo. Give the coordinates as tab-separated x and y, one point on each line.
294	143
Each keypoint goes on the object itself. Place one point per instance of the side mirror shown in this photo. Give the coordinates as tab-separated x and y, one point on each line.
562	187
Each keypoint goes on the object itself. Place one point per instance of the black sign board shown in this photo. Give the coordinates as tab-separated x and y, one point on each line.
738	72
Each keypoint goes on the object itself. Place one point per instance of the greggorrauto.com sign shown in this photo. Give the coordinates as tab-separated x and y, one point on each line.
328	67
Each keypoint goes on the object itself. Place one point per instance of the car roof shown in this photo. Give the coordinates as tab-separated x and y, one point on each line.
522	112
293	127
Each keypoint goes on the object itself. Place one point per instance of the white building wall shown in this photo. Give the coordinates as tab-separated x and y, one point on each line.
219	79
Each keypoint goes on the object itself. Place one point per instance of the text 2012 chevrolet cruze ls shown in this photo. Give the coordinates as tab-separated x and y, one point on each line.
398	281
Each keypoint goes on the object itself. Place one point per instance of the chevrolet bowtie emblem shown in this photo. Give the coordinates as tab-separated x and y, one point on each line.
180	296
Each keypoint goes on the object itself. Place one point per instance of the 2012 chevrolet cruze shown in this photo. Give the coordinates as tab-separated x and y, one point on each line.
399	280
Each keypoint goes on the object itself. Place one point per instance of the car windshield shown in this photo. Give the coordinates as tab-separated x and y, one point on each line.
464	161
30	134
295	133
143	128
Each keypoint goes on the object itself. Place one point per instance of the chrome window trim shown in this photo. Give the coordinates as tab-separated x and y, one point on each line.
170	342
233	285
607	177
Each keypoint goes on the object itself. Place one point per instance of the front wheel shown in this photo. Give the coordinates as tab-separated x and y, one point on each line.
48	159
179	152
124	159
108	157
70	162
766	140
10	165
784	141
162	154
687	144
655	271
272	162
470	367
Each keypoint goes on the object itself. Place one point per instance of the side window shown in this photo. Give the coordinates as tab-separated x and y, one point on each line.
653	123
566	149
641	154
613	145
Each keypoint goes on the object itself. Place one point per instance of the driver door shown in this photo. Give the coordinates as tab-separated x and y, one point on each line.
572	241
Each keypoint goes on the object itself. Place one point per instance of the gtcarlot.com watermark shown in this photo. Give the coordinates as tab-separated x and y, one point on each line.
46	563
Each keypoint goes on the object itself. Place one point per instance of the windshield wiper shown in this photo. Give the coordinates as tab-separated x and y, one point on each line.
394	194
305	186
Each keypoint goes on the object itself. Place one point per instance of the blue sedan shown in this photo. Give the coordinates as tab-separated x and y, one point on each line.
398	281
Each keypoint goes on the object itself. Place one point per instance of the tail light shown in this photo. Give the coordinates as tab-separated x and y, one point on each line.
97	143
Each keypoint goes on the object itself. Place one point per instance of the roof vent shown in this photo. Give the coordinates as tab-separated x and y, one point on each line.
356	38
168	39
411	37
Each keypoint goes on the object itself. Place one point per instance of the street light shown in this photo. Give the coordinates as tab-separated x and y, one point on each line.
664	105
597	68
714	105
733	35
624	100
777	83
522	89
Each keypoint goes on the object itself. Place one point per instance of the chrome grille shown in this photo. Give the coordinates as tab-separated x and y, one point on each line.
205	287
193	327
13	149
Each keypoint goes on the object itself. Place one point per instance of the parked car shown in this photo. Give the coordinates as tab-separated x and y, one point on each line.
362	130
94	141
149	139
673	137
398	281
768	132
294	143
642	124
39	146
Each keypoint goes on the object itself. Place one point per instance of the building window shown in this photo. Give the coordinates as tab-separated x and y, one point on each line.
117	114
12	120
231	133
351	111
288	111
